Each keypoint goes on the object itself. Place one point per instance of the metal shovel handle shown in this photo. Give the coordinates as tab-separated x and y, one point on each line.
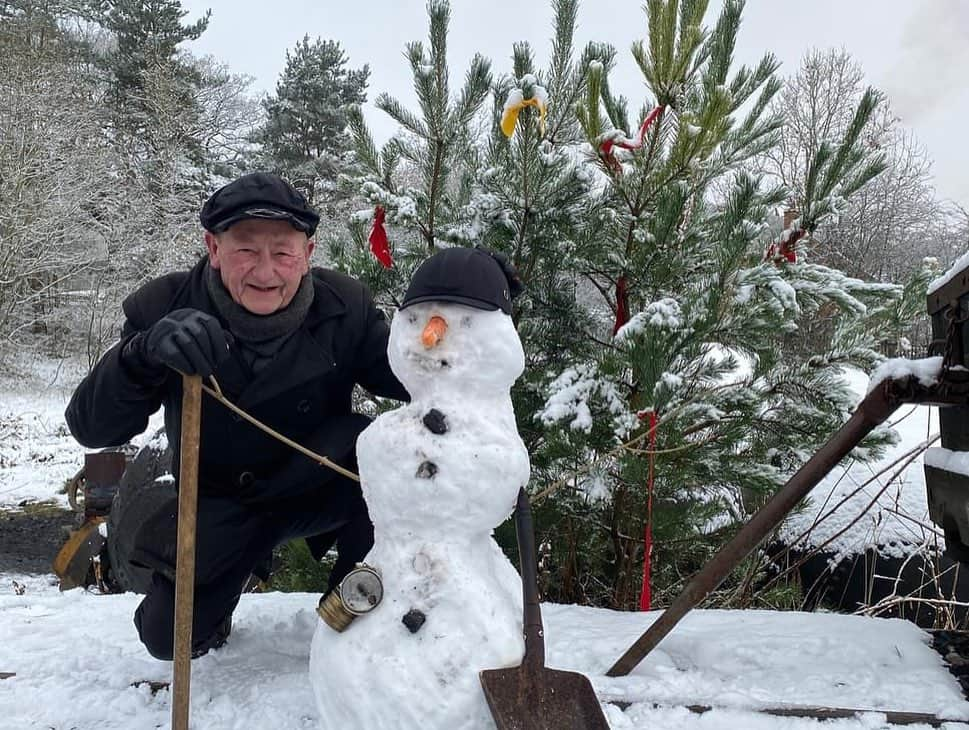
532	612
185	548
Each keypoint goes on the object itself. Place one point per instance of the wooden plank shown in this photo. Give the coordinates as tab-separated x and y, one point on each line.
893	717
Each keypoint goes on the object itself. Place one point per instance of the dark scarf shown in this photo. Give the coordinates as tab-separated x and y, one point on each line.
260	336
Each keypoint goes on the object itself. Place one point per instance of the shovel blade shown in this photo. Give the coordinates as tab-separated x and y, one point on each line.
541	699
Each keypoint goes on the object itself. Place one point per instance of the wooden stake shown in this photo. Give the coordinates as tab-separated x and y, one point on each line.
185	558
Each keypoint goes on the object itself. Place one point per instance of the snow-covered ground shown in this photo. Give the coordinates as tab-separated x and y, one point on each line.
37	452
880	504
76	656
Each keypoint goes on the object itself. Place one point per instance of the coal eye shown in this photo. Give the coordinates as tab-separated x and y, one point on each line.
412	318
465	321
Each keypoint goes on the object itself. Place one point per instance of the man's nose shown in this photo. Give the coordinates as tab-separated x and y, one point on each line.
264	266
433	331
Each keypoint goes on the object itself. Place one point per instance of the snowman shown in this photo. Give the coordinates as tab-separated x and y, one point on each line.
438	476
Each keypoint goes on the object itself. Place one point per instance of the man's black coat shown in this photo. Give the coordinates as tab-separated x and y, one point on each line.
304	393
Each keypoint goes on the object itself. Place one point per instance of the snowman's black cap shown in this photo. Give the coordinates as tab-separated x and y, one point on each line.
475	277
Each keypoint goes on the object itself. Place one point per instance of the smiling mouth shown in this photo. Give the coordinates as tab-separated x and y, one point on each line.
428	363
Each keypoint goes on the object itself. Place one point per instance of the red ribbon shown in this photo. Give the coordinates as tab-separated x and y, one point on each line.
785	250
628	144
622	305
379	245
645	595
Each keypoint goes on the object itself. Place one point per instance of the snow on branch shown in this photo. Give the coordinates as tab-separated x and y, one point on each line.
569	399
926	370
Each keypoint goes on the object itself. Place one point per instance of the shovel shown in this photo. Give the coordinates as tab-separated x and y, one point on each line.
531	696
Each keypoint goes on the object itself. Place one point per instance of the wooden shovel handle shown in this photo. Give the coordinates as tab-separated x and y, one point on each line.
185	547
532	612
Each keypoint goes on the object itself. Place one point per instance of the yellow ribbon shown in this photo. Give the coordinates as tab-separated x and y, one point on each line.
509	117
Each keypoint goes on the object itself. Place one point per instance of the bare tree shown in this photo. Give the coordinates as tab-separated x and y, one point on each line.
229	114
892	223
55	170
85	216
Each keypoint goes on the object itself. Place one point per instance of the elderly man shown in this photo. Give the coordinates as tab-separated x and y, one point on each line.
286	343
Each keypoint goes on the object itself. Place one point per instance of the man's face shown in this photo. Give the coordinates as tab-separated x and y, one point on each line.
261	262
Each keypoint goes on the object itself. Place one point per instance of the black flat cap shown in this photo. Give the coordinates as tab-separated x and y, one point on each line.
258	195
475	277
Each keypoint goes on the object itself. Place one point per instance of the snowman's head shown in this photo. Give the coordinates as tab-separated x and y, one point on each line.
454	327
476	277
470	352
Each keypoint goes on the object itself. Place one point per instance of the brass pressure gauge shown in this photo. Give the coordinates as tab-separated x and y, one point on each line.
359	592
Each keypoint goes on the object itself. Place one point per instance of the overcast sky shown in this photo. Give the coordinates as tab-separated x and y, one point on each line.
915	50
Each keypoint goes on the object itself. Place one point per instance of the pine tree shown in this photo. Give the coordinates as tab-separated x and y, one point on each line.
652	293
147	35
304	137
420	178
155	92
530	199
676	250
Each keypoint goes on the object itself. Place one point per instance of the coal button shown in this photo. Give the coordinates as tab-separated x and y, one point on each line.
427	470
435	422
413	620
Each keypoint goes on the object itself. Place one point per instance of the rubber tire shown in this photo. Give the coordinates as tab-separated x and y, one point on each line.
139	496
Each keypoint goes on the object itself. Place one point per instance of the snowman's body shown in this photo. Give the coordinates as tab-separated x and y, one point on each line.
434	498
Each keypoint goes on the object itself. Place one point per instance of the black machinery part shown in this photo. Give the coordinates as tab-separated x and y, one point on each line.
145	486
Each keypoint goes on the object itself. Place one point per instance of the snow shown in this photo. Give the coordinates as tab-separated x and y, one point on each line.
515	98
956	269
884	503
37	452
33	434
926	370
399	208
540	93
785	294
76	655
662	314
569	395
948	460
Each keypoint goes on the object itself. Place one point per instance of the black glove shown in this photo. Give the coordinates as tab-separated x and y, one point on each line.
187	340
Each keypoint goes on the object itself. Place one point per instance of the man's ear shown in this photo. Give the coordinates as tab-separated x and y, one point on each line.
212	244
310	245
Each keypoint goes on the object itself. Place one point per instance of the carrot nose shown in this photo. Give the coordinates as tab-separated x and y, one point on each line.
433	332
